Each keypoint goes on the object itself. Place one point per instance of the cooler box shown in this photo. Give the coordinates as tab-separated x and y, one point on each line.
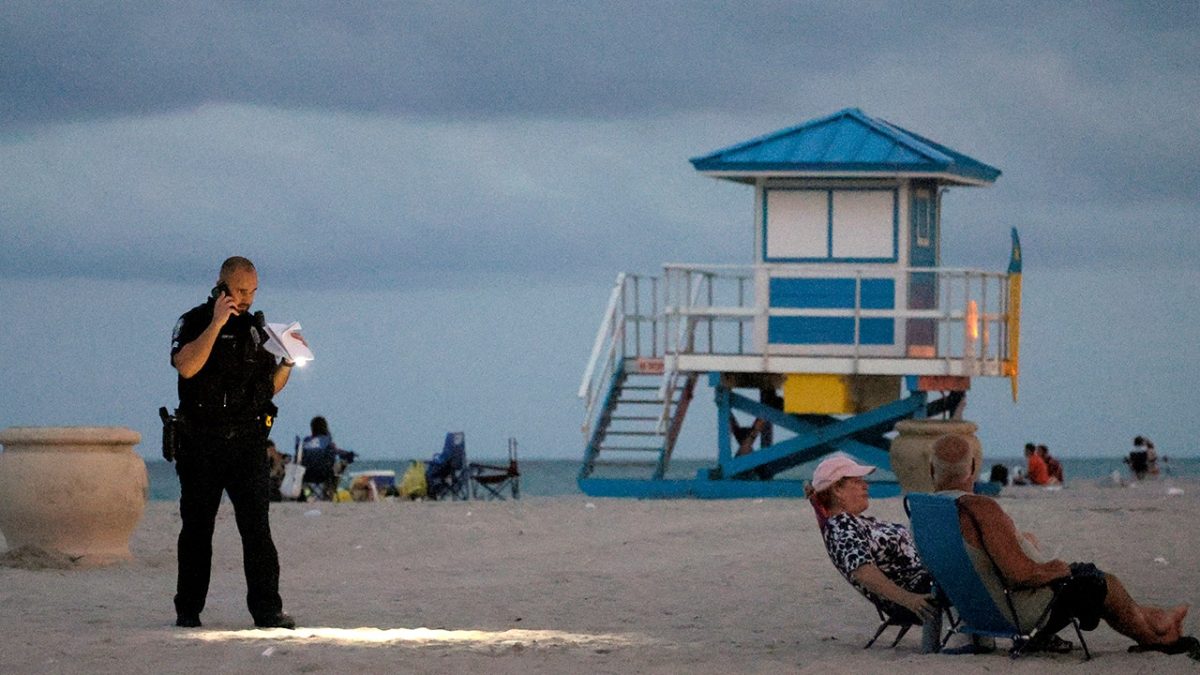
382	478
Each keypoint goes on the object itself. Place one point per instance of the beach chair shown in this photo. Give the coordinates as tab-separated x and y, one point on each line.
939	540
888	616
491	480
446	474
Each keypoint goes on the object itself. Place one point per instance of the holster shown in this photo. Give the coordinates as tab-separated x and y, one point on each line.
170	434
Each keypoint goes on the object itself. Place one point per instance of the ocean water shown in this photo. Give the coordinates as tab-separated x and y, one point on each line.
556	477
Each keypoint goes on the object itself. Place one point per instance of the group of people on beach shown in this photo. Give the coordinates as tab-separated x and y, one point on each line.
1041	468
881	560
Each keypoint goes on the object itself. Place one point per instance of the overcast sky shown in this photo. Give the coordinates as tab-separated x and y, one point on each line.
443	192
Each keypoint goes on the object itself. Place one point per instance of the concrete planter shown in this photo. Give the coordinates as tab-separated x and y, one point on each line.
912	448
79	491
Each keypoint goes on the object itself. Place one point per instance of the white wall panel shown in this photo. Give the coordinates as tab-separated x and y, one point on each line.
797	224
863	224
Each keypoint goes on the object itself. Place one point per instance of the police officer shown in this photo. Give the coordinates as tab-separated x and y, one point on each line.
226	382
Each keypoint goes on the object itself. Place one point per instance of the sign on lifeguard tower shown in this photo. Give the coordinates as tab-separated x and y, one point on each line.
844	322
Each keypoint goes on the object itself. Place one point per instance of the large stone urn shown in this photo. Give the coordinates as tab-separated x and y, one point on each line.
912	449
79	491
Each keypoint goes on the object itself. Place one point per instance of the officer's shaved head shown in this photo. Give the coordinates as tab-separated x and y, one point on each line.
240	280
235	264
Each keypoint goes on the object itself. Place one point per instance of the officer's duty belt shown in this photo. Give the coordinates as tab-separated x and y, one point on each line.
221	419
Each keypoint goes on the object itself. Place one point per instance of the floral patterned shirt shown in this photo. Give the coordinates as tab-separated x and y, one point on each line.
853	541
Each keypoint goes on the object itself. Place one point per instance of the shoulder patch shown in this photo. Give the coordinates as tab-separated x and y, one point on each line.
176	332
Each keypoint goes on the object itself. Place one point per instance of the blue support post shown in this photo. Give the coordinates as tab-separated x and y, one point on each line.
912	383
724	443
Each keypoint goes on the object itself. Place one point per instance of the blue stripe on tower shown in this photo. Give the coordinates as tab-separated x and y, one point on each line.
829	330
831	293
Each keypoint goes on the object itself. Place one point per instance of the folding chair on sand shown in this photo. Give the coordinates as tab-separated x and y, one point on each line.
935	527
491	480
888	616
446	473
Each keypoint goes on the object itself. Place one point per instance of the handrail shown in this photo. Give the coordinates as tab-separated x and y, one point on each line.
819	269
603	333
666	390
612	332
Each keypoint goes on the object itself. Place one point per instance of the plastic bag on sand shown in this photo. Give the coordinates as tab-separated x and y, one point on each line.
412	483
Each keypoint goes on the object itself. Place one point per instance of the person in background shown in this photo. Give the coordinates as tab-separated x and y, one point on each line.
320	438
319	435
999	474
1151	458
323	460
1035	467
1138	459
1053	466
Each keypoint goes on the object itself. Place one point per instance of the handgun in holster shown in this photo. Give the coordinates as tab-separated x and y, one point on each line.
170	434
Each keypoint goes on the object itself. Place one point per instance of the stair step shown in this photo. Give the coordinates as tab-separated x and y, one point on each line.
623	463
612	432
641	387
656	401
635	418
606	448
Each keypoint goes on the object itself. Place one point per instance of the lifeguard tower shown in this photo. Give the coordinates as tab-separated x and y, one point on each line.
845	324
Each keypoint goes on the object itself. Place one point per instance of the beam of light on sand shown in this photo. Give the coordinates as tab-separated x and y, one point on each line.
423	636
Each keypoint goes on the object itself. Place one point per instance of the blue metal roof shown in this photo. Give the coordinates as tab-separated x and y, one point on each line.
847	142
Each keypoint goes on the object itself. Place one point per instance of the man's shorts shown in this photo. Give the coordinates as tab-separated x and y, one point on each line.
1081	595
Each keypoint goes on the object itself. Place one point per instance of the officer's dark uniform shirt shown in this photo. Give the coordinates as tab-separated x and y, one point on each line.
237	380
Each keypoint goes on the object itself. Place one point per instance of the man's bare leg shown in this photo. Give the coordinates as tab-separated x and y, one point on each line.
1147	625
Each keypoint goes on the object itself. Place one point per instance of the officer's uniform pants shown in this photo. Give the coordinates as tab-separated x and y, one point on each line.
207	466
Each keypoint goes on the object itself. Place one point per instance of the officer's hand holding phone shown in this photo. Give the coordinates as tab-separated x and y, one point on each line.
224	305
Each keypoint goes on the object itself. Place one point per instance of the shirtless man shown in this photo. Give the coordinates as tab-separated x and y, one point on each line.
1087	593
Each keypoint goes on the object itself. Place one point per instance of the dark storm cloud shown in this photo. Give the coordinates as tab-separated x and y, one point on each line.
72	61
426	139
78	60
344	201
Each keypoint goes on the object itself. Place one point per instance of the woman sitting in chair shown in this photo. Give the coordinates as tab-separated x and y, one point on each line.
877	558
323	460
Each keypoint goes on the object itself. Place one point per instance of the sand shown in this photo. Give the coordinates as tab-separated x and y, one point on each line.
566	585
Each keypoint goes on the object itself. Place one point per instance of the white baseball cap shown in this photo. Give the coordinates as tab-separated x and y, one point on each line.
836	468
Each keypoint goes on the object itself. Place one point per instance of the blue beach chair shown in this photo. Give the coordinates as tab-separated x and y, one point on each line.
939	540
446	475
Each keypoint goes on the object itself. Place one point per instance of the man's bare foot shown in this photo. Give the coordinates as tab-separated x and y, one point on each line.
1178	614
1167	624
